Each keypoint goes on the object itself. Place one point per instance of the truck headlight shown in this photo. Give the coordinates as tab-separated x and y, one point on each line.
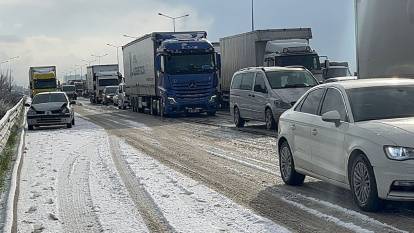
65	110
399	153
213	98
281	104
31	112
171	100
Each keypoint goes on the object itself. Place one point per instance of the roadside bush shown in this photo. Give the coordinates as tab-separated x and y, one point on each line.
7	98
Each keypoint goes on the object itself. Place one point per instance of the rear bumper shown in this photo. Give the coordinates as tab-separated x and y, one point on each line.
49	120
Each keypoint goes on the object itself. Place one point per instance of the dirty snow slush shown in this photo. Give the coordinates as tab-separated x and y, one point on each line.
70	183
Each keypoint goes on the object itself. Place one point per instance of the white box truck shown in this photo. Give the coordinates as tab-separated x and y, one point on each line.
273	47
100	76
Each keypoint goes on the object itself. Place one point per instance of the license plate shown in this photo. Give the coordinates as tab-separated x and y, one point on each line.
193	110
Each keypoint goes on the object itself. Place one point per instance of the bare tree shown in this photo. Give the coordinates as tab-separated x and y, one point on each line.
7	98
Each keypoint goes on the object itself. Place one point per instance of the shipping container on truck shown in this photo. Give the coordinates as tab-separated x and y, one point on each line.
272	47
42	79
384	36
100	76
169	73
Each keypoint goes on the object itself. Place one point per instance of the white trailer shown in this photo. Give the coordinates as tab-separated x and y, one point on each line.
385	35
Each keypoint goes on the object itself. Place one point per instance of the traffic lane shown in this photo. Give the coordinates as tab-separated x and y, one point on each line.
250	157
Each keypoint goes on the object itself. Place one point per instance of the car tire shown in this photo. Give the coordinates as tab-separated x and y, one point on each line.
270	120
238	120
73	121
69	125
30	127
364	186
287	167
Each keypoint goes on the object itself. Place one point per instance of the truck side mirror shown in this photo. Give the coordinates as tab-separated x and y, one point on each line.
161	63
218	61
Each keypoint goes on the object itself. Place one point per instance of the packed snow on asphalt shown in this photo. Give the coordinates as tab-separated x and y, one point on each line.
70	182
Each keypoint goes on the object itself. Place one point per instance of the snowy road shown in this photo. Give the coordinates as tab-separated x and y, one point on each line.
86	180
242	166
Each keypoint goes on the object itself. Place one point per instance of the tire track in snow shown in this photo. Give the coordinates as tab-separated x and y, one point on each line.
153	217
75	202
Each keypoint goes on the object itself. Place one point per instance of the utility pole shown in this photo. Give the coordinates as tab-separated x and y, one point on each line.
117	53
99	57
173	18
252	15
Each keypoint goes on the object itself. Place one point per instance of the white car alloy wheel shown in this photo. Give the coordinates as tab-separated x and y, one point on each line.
362	184
287	166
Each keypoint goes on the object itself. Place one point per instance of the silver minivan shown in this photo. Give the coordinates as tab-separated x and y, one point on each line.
264	93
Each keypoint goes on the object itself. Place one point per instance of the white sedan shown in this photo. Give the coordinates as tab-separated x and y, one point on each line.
356	134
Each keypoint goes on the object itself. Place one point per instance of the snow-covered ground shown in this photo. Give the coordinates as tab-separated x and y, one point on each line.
70	183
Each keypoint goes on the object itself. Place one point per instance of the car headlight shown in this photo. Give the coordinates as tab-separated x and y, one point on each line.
399	153
171	100
281	104
213	98
31	112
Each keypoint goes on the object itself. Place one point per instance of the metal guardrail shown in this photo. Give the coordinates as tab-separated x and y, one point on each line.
7	123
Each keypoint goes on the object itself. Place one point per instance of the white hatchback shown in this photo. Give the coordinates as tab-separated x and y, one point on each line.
356	134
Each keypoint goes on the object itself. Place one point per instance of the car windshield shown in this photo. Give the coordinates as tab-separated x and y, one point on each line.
68	88
337	72
45	83
190	63
290	79
111	90
47	98
375	103
311	62
108	82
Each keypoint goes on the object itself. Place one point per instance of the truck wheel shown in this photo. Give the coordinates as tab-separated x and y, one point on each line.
73	121
30	127
238	120
69	125
211	113
162	109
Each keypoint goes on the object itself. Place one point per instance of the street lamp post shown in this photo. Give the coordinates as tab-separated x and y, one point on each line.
173	18
88	61
252	15
117	52
99	57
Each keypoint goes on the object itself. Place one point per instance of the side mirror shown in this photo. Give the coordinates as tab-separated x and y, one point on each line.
218	61
27	105
332	116
72	102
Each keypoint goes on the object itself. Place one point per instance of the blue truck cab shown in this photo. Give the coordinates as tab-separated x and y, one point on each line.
184	75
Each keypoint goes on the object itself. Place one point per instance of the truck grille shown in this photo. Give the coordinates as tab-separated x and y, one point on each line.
192	89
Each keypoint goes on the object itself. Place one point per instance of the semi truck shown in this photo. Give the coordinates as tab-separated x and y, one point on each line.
273	47
42	79
331	69
171	73
384	36
100	76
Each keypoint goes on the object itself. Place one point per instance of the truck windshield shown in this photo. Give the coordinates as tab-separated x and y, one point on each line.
45	83
311	62
290	79
190	63
111	90
108	82
52	97
68	88
337	72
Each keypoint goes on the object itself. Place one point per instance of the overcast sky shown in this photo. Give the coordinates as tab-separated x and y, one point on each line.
63	32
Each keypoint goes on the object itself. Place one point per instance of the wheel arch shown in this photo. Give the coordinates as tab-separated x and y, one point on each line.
352	156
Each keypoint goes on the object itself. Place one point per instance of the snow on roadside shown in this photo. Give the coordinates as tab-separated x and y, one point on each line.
190	206
44	158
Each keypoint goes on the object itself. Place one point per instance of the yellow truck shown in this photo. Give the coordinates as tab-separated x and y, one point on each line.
42	79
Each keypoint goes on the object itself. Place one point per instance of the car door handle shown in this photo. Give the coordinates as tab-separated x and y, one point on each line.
314	132
293	127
